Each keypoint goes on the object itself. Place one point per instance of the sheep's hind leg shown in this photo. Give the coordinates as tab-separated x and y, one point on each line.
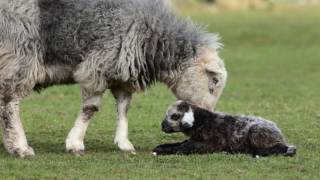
14	137
74	141
121	138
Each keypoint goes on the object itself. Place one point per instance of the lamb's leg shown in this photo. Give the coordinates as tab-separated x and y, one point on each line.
121	137
267	140
162	146
14	137
74	141
185	148
279	149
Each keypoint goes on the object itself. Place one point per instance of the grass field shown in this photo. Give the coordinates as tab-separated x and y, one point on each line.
273	59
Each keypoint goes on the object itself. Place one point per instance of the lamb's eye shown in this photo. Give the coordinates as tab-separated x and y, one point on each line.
175	117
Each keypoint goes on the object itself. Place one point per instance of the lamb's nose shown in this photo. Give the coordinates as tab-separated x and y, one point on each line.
165	127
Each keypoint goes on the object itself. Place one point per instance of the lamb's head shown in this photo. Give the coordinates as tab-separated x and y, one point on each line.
179	118
203	81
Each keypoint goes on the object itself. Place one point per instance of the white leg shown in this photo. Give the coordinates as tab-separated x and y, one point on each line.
121	137
14	137
74	141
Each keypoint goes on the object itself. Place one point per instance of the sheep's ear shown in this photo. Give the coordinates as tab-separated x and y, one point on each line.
211	62
214	66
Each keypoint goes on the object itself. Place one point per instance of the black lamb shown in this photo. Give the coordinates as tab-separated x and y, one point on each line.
218	132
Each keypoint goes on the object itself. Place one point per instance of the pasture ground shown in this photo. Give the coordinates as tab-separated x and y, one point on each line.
273	59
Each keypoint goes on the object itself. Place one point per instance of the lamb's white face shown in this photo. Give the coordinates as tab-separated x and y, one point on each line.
179	117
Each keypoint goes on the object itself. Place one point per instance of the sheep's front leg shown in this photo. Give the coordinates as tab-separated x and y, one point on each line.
14	138
185	148
74	141
121	138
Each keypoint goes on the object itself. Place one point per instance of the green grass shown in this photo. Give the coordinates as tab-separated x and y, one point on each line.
273	61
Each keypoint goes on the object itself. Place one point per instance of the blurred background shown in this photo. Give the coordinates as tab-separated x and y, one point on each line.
219	5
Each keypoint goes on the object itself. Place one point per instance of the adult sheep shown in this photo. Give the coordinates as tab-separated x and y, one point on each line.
123	45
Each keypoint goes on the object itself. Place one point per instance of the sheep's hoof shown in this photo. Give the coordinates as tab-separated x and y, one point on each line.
24	152
77	153
126	146
75	147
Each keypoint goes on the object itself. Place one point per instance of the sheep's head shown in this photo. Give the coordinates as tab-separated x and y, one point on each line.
179	118
202	83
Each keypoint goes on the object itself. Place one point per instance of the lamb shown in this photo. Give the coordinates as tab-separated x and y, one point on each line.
211	132
122	45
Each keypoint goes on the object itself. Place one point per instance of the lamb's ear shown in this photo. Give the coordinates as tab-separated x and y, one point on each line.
183	107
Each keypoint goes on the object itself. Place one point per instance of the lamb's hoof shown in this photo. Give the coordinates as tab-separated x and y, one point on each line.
291	151
24	152
158	151
126	146
75	147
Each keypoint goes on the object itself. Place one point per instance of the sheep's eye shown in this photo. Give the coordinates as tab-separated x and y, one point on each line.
175	117
215	80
